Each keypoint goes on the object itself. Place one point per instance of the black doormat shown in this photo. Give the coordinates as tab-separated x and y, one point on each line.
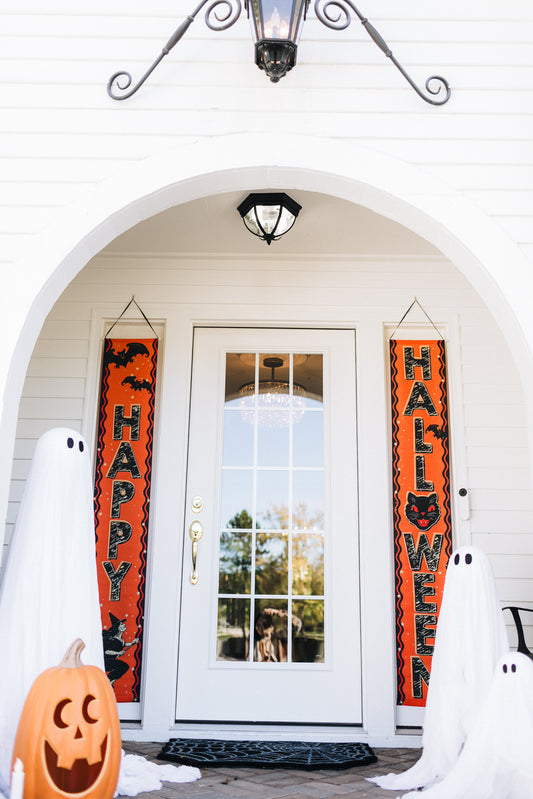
267	754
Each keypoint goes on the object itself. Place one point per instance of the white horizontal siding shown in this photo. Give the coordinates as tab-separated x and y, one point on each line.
517	522
60	133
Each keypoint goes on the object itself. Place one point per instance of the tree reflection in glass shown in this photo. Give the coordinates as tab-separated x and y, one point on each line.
235	566
307	564
233	629
308	639
271	563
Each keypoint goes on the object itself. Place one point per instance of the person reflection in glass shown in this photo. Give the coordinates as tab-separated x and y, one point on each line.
271	638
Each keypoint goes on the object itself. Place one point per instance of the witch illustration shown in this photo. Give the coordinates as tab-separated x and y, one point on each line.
114	647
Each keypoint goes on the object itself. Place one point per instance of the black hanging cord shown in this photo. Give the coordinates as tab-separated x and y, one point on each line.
133	300
416	302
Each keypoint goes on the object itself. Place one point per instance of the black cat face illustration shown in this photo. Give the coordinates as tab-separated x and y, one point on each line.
422	511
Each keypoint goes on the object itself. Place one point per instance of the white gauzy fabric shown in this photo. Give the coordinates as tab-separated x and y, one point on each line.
49	594
138	775
470	639
497	759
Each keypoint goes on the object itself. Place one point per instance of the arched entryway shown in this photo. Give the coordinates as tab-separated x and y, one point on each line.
400	195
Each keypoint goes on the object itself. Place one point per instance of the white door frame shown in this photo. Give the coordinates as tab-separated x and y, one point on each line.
337	682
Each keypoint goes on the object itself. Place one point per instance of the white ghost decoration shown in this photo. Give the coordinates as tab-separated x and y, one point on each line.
49	594
470	638
497	759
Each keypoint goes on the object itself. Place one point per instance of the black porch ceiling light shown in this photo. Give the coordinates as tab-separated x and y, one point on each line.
269	215
276	26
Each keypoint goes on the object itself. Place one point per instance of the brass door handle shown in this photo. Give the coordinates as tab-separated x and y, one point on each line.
196	531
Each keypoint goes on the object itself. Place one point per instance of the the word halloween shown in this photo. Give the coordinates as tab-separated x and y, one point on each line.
421	506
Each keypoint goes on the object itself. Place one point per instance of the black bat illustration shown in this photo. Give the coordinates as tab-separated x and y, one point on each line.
438	432
125	357
137	385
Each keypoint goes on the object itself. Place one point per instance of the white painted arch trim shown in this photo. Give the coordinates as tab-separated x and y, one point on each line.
437	212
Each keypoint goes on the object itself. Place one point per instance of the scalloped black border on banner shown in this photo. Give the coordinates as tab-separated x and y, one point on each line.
128	378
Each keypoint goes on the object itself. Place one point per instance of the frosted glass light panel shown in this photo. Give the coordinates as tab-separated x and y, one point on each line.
271	551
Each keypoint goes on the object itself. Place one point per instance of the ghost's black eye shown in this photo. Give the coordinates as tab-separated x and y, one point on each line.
457	559
513	668
504	668
468	559
80	445
70	443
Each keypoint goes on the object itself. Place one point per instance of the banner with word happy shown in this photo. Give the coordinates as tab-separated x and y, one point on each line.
421	504
122	497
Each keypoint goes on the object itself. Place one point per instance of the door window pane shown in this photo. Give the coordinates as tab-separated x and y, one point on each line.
308	638
308	500
307	564
238	440
240	370
233	629
308	374
235	568
308	440
270	633
271	564
273	499
273	446
237	495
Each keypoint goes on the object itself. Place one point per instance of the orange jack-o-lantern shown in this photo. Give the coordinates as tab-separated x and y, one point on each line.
68	737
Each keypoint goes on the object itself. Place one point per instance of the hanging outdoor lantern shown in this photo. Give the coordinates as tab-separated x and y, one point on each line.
269	216
276	28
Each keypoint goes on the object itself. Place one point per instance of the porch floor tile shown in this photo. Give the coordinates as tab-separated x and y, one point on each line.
241	783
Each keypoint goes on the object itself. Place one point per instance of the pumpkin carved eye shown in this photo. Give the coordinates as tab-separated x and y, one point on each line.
85	710
58	721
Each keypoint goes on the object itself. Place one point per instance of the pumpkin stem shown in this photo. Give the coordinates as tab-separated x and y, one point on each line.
71	658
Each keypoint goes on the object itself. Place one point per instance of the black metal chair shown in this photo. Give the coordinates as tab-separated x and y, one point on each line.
522	646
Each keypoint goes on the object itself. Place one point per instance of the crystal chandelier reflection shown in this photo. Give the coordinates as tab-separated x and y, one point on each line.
273	401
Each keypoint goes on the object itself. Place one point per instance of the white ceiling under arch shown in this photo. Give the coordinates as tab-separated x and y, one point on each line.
326	225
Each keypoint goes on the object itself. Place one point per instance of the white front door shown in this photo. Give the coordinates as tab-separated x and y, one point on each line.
270	619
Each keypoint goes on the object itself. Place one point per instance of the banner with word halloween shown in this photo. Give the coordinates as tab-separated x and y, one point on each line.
421	504
122	498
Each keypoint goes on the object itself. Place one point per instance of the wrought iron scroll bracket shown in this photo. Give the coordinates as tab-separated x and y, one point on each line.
118	86
335	14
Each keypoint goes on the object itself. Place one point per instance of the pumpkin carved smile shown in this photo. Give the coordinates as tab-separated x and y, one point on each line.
80	777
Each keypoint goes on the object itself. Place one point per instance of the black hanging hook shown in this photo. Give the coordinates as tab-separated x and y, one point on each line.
118	89
339	21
